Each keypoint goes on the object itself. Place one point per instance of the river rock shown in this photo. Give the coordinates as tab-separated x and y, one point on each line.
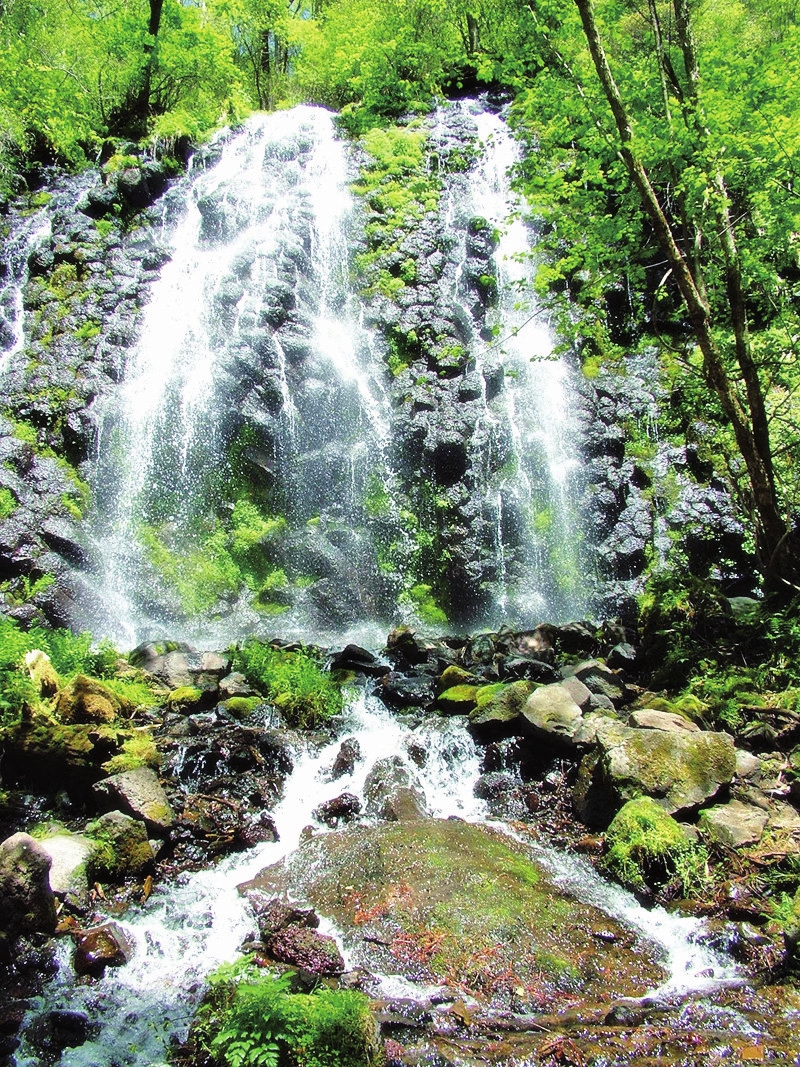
274	914
551	713
343	808
346	758
27	903
103	946
139	793
122	847
390	789
502	712
600	679
311	951
85	700
734	824
70	855
648	719
426	900
52	1033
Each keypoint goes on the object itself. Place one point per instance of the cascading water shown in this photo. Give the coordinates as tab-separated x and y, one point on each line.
24	238
186	930
249	404
538	489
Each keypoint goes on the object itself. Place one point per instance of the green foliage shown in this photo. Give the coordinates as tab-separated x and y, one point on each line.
294	681
252	1019
8	503
420	598
139	750
647	848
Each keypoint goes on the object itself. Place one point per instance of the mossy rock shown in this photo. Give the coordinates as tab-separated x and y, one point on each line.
452	676
644	845
86	700
447	901
184	698
458	700
122	847
242	707
499	706
50	755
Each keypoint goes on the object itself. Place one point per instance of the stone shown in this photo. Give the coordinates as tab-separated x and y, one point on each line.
70	856
122	847
301	946
274	914
355	658
27	904
734	824
139	793
346	758
580	693
681	770
103	946
343	808
458	700
85	700
551	713
43	674
383	785
235	685
600	679
648	719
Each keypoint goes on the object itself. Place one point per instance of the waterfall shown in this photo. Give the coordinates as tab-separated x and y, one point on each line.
538	490
25	237
249	404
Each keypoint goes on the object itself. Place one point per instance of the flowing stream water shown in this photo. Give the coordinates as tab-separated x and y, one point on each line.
187	929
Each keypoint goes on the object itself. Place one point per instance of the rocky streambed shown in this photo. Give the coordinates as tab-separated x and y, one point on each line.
435	845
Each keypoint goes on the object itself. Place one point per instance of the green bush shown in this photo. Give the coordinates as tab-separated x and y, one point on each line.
293	681
253	1020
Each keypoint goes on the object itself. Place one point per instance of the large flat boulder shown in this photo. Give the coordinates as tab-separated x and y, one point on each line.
450	902
139	793
552	714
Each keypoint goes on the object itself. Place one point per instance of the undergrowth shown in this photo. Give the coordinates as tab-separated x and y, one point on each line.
292	680
253	1019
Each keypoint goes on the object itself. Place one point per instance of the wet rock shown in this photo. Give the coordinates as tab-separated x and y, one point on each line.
27	903
343	808
401	690
346	758
274	914
600	679
139	793
357	659
405	648
390	787
734	824
121	845
235	685
303	947
502	712
103	946
52	1033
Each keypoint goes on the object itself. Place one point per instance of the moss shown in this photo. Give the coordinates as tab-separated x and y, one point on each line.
184	697
139	750
242	707
457	700
8	503
645	846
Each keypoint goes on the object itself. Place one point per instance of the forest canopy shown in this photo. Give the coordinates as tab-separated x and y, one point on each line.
693	100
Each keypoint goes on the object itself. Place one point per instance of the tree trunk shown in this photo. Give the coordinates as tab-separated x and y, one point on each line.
749	423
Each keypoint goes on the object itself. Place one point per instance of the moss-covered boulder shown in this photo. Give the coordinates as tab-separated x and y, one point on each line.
45	754
120	846
551	714
681	770
457	700
26	899
43	674
86	700
447	901
645	847
498	708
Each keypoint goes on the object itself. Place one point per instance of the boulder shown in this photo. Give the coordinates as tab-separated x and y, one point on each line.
428	899
274	914
387	788
648	719
346	758
139	793
343	808
27	903
502	711
680	769
303	947
43	673
734	824
121	845
85	700
600	679
103	946
551	714
70	856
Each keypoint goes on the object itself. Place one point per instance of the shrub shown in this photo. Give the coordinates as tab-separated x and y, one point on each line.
293	681
253	1020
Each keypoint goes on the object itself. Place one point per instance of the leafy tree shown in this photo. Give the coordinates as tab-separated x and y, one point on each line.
664	140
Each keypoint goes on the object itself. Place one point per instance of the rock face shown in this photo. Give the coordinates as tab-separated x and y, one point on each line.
427	899
27	904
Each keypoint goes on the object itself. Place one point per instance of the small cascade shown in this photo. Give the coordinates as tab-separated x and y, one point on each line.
186	930
250	406
25	236
538	488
